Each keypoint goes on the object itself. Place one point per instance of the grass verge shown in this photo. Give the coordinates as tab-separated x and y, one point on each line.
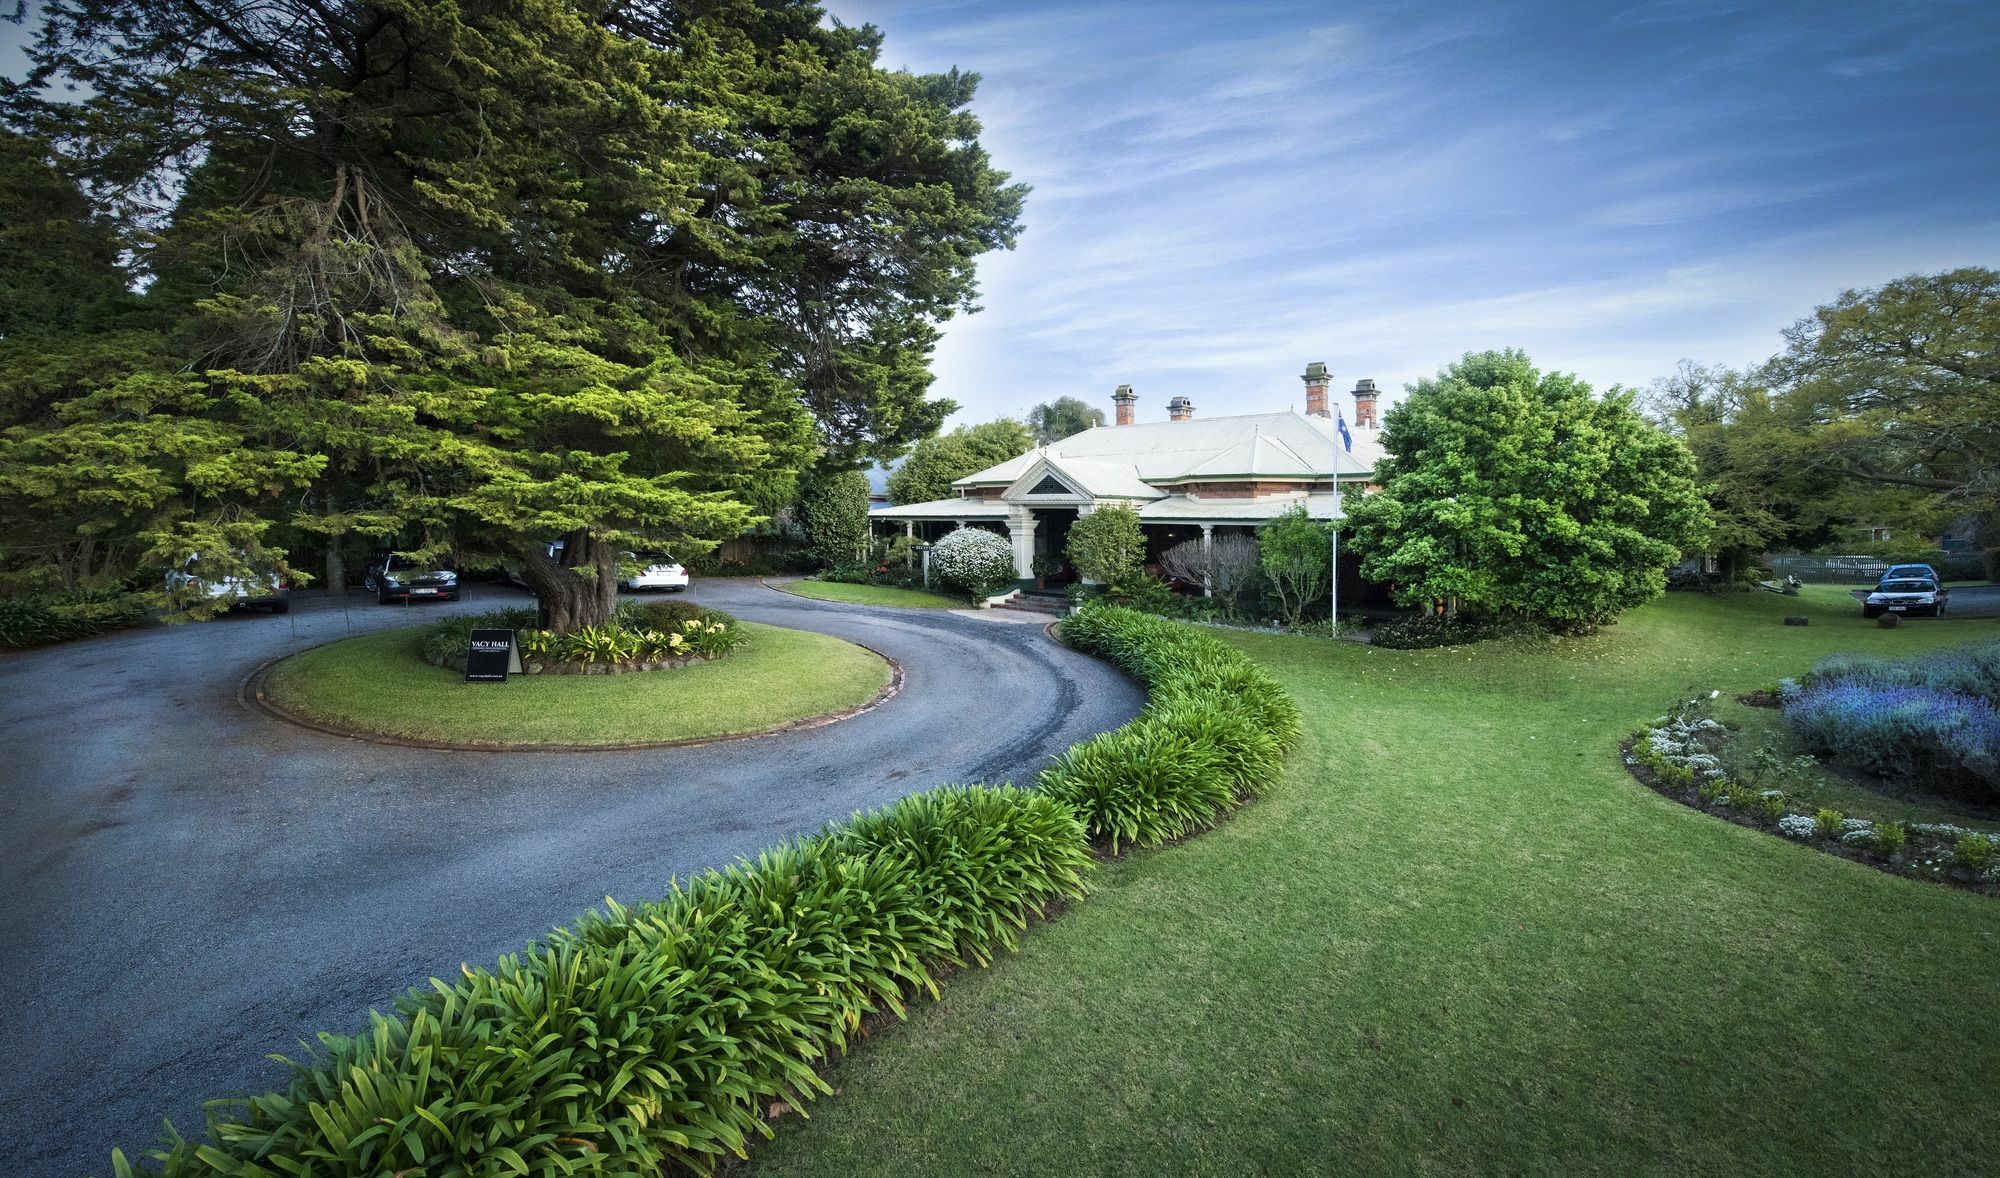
878	595
1458	937
378	683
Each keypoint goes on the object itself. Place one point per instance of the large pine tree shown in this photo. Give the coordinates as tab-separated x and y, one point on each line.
485	274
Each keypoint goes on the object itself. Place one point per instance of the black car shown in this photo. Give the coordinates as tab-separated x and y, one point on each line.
394	578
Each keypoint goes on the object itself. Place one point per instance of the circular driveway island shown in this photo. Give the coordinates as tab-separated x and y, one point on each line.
191	884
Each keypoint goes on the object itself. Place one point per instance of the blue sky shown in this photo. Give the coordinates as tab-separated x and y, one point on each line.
1224	192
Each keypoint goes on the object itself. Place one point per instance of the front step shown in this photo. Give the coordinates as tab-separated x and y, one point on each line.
1041	601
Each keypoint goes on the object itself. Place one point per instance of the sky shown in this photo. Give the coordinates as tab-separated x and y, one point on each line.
1224	192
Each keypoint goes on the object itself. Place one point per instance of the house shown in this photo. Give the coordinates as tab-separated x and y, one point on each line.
1188	477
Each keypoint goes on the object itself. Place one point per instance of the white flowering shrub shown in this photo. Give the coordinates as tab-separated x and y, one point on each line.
974	560
1798	826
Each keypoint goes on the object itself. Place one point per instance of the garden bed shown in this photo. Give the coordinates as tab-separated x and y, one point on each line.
1686	755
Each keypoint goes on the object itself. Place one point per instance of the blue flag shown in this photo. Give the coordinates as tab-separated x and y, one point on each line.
1346	438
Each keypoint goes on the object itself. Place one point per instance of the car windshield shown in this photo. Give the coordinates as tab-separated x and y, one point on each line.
1905	587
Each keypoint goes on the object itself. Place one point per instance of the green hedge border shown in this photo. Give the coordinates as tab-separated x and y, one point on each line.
660	1034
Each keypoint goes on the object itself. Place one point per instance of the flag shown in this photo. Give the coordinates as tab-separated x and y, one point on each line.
1346	438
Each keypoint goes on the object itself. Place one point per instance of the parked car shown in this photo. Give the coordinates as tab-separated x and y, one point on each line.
1910	595
260	589
394	578
654	572
1912	572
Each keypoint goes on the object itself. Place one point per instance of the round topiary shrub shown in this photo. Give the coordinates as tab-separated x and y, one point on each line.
1797	620
975	561
1889	621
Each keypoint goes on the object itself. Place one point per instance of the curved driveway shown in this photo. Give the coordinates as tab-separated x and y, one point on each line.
190	885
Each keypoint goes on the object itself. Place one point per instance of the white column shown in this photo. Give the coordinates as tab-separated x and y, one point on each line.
909	529
1207	557
1021	529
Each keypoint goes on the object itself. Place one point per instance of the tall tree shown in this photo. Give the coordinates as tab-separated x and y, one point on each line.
503	270
935	463
1901	384
1052	421
1765	487
1518	493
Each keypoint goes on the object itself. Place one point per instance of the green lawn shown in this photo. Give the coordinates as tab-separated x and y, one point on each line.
886	595
1458	937
379	684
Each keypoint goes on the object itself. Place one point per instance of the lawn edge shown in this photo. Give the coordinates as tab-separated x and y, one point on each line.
856	604
250	694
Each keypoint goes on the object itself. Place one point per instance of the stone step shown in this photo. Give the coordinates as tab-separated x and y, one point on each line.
1055	604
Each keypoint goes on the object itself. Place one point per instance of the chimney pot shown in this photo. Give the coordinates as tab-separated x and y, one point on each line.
1364	402
1123	399
1180	409
1317	379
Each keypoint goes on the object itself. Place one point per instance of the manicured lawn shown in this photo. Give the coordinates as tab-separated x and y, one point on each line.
1459	938
887	595
378	683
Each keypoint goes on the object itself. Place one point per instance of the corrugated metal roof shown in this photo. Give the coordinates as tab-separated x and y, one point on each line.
1161	451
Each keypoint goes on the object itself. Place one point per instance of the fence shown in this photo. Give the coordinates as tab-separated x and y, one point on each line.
1866	570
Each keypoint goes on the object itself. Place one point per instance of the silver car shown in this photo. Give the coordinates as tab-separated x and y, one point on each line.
1914	596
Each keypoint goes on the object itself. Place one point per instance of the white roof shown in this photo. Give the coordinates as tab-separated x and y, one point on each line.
944	509
1261	445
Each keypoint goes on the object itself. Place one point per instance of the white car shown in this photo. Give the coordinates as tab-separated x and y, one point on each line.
266	589
654	572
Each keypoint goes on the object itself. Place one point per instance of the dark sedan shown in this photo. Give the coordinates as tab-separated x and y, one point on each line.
395	579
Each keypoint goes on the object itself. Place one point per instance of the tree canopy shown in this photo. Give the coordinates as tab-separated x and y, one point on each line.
1514	492
478	275
1899	387
936	462
1052	421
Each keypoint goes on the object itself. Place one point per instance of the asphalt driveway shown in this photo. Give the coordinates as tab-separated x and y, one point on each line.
190	885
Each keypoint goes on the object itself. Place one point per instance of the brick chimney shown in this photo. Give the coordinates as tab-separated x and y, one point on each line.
1123	398
1317	379
1364	402
1180	409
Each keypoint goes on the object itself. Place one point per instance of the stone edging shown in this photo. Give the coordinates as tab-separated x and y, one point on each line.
250	694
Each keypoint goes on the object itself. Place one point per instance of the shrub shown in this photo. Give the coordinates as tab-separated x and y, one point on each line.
63	617
1974	852
1916	734
974	561
1971	668
654	1036
668	615
1296	553
1107	544
833	514
1890	837
448	637
1826	823
1211	736
645	630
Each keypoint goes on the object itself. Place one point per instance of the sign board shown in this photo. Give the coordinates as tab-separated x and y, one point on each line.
492	657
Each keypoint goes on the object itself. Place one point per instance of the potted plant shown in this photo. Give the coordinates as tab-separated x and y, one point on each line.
1045	567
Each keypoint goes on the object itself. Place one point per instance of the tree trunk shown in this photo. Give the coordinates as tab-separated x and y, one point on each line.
579	590
336	556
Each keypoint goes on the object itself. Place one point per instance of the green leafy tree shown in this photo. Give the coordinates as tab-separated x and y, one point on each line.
482	275
1515	493
935	463
1107	544
1296	554
1052	421
1764	487
833	513
1900	386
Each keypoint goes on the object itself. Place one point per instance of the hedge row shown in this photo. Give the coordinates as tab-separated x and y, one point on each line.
1213	734
660	1035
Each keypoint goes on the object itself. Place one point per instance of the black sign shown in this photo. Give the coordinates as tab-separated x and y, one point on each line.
491	657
